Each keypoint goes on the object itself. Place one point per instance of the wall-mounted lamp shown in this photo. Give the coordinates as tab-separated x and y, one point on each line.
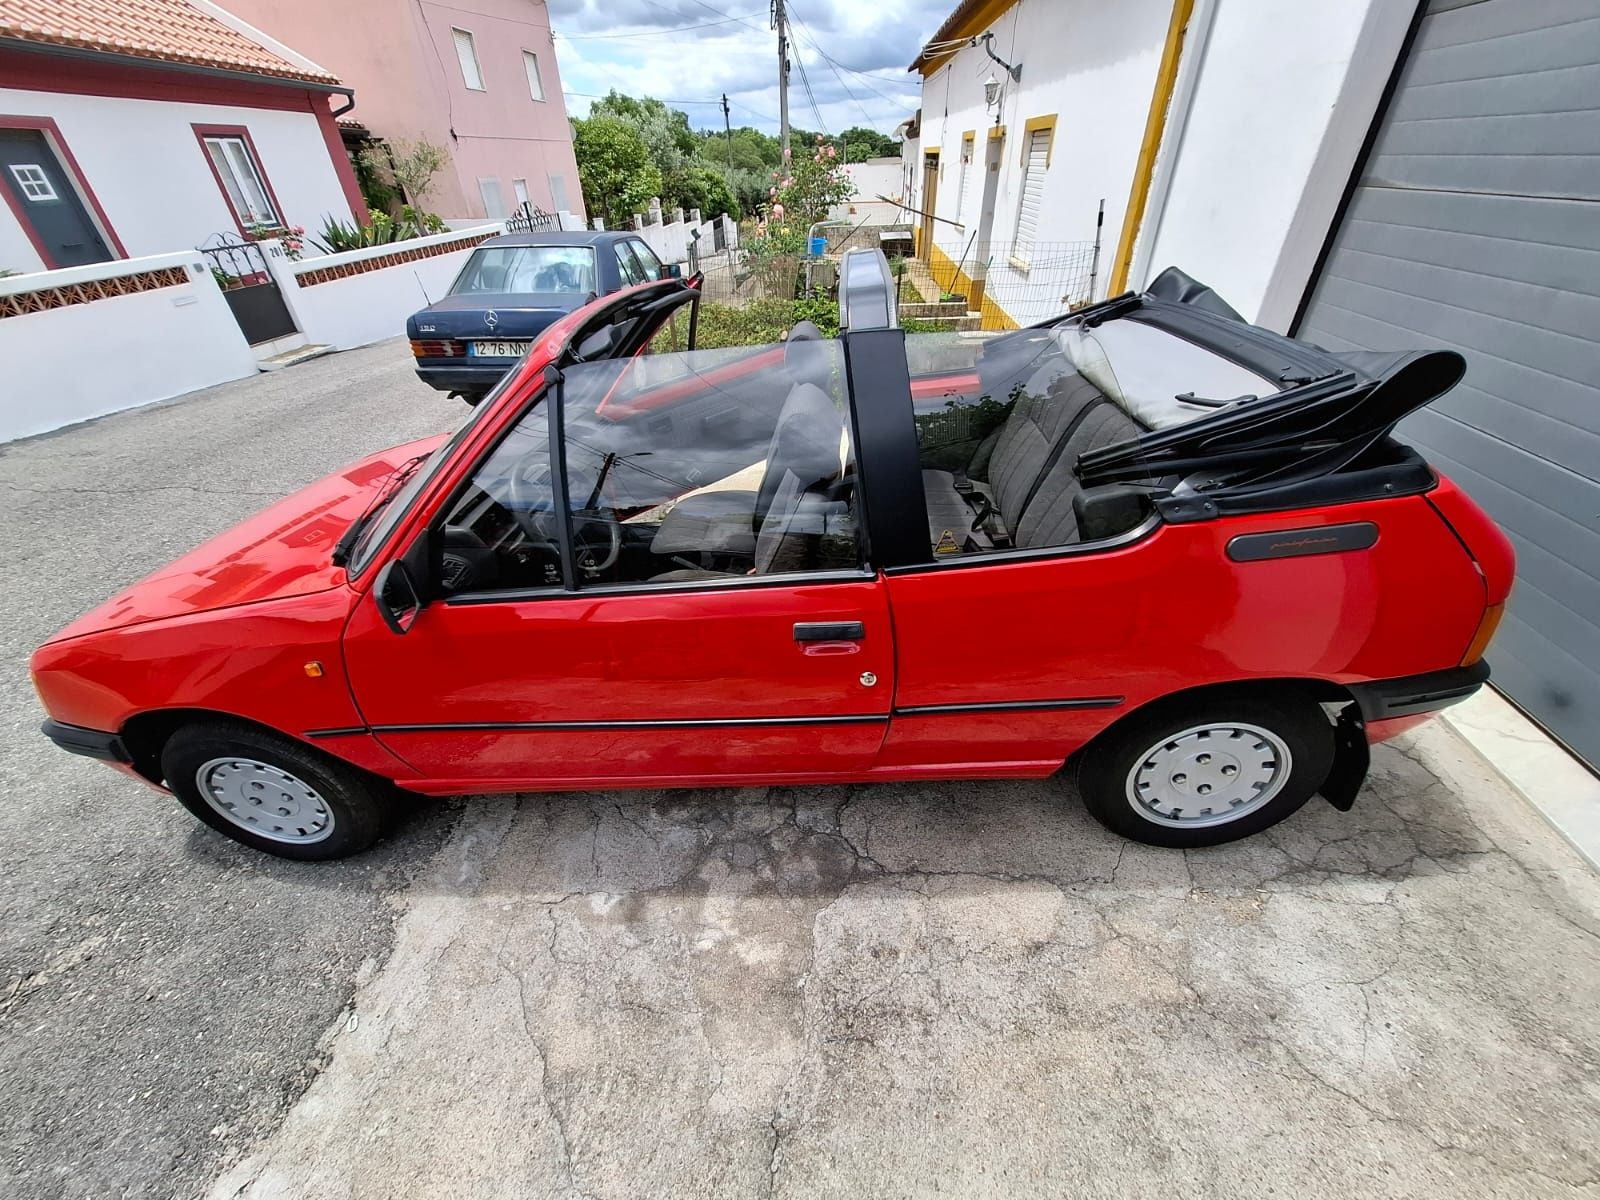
991	90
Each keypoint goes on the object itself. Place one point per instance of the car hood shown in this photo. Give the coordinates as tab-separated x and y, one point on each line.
518	314
282	551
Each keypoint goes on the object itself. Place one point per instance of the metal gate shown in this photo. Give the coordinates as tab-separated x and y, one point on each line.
240	269
528	219
1474	223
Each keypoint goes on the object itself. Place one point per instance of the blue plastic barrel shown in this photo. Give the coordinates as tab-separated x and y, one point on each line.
819	247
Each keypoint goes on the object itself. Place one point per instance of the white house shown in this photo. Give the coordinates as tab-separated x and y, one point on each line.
1368	174
139	127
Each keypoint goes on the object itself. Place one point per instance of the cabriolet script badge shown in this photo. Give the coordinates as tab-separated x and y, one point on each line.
491	319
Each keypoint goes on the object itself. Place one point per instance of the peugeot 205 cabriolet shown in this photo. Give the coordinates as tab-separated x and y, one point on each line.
1180	555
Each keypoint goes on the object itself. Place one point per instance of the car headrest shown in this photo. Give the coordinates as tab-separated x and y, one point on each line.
804	444
809	360
804	331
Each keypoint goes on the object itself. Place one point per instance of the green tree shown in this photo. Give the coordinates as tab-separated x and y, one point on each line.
698	185
861	143
614	168
665	131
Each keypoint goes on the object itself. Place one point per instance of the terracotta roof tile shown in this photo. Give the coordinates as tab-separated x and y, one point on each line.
164	30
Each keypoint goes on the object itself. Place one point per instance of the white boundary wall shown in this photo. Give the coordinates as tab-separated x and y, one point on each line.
69	363
374	304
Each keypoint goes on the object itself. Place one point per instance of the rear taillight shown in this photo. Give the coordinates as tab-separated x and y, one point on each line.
1480	640
437	348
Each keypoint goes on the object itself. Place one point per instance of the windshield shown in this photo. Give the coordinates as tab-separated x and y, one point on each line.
388	514
560	270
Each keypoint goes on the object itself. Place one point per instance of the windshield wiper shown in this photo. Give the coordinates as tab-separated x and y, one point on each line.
347	540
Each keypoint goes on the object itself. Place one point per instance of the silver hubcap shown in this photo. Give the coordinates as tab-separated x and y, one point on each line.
269	802
1209	775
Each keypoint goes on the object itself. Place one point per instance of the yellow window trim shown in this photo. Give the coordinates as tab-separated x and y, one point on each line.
997	133
1154	125
1035	125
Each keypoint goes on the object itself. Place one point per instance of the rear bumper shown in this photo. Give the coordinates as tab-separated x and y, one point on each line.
464	378
1386	699
91	743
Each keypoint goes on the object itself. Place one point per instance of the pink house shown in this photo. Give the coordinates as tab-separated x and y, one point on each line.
479	80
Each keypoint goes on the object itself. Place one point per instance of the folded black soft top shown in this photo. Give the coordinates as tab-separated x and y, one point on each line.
1336	412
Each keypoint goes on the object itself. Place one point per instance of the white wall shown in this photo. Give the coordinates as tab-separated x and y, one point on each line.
148	170
873	178
375	304
85	360
1276	121
1091	64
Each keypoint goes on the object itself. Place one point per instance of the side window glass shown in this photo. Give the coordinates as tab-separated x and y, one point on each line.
706	466
1000	426
628	265
501	532
648	262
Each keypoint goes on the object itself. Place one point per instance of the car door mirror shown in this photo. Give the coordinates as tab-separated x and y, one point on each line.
399	602
672	271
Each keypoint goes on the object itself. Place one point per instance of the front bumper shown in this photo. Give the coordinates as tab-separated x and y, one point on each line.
1385	699
91	743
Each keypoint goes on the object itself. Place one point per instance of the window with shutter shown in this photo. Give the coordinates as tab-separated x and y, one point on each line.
530	64
467	56
966	176
1031	194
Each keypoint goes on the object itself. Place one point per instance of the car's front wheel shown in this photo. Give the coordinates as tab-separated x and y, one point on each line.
1205	770
271	793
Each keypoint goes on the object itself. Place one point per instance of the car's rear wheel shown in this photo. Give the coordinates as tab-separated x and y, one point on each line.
1210	769
273	794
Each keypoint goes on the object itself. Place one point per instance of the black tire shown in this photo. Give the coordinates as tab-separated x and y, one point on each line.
1104	767
359	806
472	398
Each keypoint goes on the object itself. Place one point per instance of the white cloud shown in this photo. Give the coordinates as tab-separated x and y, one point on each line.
688	52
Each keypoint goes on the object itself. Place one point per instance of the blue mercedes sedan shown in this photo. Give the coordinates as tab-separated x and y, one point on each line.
509	291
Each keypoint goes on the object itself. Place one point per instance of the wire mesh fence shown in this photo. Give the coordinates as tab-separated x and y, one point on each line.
737	280
1032	280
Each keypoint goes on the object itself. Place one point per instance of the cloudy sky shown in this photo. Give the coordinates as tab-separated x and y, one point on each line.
688	52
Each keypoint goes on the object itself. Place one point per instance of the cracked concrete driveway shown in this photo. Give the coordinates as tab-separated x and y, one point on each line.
958	990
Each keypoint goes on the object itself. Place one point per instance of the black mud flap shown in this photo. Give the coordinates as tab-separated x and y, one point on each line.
1351	758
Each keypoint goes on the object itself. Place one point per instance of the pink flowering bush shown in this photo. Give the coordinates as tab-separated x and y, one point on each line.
293	237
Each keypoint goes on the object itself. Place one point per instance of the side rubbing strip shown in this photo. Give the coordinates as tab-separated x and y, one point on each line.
1296	543
333	733
683	723
936	710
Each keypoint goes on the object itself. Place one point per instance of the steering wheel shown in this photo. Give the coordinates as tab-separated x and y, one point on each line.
596	536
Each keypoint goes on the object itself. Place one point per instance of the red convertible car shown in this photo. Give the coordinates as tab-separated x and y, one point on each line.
1176	553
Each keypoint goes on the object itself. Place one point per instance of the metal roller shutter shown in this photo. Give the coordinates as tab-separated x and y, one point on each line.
1475	224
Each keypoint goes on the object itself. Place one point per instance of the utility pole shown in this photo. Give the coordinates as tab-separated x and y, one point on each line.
727	130
783	78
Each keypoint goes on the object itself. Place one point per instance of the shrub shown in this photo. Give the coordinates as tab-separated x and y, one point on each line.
763	321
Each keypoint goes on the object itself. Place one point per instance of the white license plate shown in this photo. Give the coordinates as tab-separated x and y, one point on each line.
498	349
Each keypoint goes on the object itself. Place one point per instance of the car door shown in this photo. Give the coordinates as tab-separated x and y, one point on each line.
576	645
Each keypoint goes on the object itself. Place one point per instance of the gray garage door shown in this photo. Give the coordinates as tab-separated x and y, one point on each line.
1476	224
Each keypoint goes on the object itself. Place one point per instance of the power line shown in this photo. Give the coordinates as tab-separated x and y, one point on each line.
670	100
811	98
801	26
592	37
836	66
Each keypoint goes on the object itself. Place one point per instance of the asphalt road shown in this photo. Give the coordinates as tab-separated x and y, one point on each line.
960	990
